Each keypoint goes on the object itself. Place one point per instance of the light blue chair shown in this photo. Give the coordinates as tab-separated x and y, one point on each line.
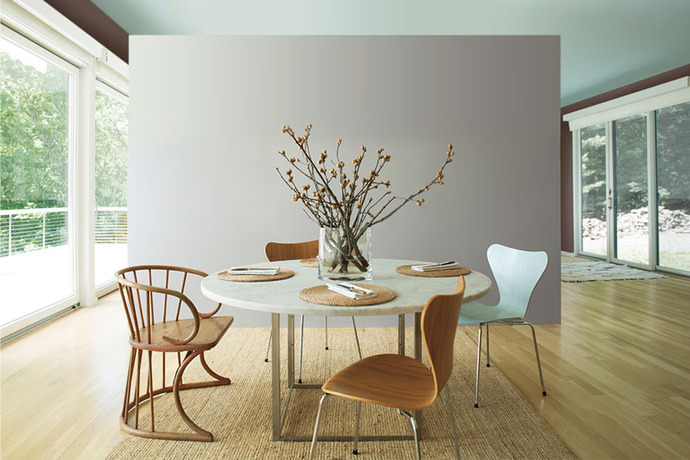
517	273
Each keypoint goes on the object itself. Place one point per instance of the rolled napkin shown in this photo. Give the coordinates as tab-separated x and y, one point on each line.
351	290
254	270
449	265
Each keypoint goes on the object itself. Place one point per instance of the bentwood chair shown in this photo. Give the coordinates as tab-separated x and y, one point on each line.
517	273
399	381
293	251
163	319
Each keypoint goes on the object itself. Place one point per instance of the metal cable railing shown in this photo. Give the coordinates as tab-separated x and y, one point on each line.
111	225
26	230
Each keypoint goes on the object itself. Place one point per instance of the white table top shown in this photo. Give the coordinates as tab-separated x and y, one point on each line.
282	296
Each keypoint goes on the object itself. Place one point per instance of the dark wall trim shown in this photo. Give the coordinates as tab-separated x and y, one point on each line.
96	23
567	143
566	187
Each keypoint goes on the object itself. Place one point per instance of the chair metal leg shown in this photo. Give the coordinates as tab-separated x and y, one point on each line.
445	395
359	413
325	328
415	429
479	357
536	352
316	427
354	327
301	347
488	361
268	344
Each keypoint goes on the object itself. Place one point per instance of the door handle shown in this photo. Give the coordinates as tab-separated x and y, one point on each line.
609	199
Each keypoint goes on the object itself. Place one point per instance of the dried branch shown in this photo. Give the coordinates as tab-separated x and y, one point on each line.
350	208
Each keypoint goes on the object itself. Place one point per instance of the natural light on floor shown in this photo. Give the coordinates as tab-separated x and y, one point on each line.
34	280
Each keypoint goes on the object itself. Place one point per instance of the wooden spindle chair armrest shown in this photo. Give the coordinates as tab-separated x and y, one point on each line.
170	292
208	315
195	315
203	275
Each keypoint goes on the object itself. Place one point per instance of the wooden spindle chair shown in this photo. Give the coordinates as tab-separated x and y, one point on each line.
163	319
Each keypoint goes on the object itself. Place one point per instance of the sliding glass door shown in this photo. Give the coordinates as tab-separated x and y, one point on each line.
634	189
630	189
36	180
673	177
593	203
110	168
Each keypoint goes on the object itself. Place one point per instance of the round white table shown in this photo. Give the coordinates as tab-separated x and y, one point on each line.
282	297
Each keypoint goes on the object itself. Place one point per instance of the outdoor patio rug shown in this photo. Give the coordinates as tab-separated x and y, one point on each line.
578	272
505	426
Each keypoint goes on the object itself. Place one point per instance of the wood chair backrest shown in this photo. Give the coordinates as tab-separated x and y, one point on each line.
439	325
156	293
292	251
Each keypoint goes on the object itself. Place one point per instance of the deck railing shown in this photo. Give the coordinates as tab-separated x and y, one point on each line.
26	230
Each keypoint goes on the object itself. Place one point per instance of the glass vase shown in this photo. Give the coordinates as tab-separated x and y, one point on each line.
345	254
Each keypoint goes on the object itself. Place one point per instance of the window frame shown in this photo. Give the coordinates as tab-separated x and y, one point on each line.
642	102
100	85
44	31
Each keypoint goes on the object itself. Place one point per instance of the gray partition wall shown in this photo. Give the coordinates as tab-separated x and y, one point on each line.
205	128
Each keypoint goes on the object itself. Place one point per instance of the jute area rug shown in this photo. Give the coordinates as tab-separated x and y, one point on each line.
579	272
504	426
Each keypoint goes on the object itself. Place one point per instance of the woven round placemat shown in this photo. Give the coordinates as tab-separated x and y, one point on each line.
313	262
282	274
323	296
407	270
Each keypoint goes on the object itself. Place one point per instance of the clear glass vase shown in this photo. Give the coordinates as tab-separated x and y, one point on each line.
345	254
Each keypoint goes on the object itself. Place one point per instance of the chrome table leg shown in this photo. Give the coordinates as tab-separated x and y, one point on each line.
275	375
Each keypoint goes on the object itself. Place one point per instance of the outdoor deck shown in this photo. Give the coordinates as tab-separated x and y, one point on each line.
35	280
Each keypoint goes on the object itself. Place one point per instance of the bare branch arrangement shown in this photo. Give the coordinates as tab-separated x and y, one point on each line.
335	198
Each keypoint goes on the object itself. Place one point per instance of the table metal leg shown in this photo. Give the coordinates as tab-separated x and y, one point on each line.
291	365
291	349
401	334
418	336
279	418
418	357
275	375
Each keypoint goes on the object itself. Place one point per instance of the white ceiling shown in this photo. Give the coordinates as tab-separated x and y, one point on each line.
605	44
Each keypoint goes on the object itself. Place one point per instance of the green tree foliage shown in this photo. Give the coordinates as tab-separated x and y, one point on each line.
673	156
593	171
630	156
111	151
34	135
34	152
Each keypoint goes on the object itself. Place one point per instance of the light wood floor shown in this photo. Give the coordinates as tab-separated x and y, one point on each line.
616	370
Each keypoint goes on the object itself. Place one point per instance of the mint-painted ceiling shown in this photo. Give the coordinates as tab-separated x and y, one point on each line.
605	44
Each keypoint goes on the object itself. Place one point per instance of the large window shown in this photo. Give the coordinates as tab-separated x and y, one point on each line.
63	167
37	149
630	184
633	179
593	175
673	176
110	166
